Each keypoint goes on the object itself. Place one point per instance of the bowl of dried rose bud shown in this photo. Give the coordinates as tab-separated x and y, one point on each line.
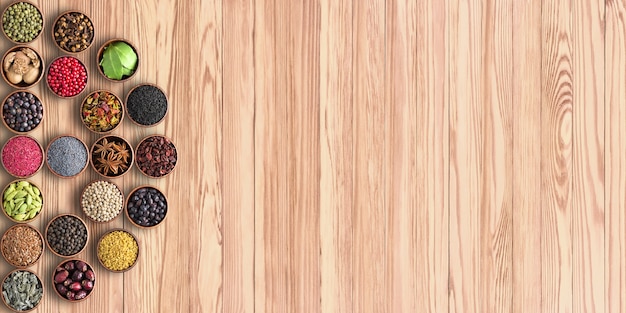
111	156
102	111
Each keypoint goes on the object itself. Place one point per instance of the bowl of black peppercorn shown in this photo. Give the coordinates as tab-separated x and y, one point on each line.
146	207
22	112
66	235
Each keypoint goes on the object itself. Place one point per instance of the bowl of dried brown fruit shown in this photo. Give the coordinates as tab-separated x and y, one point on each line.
111	156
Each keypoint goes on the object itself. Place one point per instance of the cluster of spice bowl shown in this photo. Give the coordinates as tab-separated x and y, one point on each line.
67	156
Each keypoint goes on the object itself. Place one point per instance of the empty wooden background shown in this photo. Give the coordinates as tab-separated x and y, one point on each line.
367	155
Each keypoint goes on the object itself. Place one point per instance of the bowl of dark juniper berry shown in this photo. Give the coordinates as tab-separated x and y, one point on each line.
118	60
22	22
22	67
66	235
146	207
22	156
22	290
67	156
112	156
67	76
22	112
146	105
73	32
74	280
156	156
102	111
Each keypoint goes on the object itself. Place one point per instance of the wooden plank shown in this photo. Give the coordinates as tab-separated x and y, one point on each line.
238	156
336	156
370	127
588	157
615	157
527	106
556	157
466	144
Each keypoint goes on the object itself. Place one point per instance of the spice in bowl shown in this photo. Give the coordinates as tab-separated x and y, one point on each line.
101	111
67	156
22	156
22	111
118	250
118	60
67	76
146	105
66	235
22	67
146	206
156	156
102	201
22	22
111	156
22	290
22	201
73	32
21	245
74	280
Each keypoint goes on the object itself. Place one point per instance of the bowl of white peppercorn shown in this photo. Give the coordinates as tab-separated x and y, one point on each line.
102	201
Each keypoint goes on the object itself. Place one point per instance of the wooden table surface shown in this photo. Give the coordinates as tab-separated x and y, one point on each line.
365	156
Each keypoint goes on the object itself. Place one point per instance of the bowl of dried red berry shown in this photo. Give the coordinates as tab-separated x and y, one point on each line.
74	280
66	77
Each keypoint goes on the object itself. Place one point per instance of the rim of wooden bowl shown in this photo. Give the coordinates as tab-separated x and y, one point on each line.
122	108
43	203
48	244
43	288
43	156
138	250
84	146
43	22
139	167
83	193
130	194
54	271
132	156
23	85
93	38
36	97
167	106
38	257
48	73
101	51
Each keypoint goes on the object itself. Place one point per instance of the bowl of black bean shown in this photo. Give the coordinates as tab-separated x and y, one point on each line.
146	207
22	112
66	235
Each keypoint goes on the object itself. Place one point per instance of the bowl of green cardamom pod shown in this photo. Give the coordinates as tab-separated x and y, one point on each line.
22	201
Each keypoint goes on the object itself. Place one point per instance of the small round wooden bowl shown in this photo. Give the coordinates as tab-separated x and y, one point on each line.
138	250
40	238
131	118
43	289
43	156
43	22
83	208
139	167
101	52
89	267
130	196
23	85
5	122
115	139
10	217
86	77
71	12
84	166
122	109
54	251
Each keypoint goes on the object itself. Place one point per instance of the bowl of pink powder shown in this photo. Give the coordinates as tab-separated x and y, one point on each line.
22	156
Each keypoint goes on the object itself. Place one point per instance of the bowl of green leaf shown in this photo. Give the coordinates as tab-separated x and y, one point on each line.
118	60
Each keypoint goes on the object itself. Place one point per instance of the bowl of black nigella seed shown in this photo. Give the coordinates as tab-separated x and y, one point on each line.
146	105
22	112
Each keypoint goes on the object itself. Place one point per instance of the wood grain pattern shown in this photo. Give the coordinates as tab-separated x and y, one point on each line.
365	156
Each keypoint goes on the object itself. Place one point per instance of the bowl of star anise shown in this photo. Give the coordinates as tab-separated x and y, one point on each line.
111	156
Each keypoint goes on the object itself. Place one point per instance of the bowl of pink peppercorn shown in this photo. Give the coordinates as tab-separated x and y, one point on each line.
66	76
22	156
